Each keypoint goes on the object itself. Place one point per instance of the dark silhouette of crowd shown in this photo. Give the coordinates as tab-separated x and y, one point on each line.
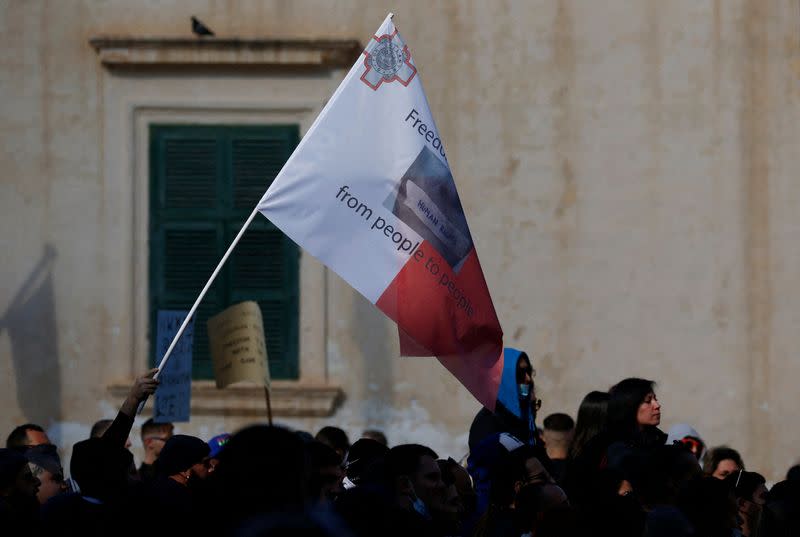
611	471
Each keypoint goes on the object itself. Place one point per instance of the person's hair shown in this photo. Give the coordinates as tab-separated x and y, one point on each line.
19	436
559	422
335	438
150	427
405	458
592	416
623	404
744	484
374	434
717	455
793	474
262	469
99	428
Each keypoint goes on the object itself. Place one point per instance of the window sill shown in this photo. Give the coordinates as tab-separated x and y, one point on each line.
289	399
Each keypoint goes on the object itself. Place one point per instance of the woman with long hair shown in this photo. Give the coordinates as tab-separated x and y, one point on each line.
592	415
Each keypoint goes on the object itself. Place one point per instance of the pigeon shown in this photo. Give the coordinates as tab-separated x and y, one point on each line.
199	28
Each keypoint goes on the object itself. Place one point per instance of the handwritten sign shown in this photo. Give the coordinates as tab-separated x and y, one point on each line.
174	393
238	345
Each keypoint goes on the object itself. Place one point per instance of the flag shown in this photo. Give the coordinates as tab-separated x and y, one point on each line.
369	193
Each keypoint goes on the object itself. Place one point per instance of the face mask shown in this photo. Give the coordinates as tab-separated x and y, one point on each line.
524	390
420	507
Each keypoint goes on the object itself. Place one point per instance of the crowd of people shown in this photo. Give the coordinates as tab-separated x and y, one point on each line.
611	471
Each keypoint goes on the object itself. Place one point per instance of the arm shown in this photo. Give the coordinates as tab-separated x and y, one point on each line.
119	430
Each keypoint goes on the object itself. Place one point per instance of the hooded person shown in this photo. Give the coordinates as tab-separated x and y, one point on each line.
683	433
515	410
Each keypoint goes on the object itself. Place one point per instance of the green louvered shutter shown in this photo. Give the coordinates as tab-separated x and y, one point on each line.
205	181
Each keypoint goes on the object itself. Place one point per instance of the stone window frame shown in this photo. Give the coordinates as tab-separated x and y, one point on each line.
128	63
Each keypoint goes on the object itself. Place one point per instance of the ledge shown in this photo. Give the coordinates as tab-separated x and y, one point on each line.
289	399
119	51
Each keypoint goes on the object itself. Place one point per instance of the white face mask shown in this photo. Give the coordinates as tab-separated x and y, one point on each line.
524	390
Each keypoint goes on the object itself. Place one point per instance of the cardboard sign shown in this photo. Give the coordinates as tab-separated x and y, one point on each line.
238	345
174	393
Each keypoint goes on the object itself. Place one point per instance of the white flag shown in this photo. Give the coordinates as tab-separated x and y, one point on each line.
369	193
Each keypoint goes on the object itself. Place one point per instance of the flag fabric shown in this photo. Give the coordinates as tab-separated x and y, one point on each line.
369	193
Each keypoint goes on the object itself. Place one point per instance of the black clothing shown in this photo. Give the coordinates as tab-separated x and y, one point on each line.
147	472
487	423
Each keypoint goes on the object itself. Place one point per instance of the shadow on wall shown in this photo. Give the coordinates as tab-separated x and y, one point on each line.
30	321
373	339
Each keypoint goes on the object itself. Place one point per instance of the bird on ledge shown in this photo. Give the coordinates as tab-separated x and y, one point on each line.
200	29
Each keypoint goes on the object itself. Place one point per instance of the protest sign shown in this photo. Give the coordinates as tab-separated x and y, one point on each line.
238	345
174	393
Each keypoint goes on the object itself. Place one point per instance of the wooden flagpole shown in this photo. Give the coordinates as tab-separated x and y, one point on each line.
269	405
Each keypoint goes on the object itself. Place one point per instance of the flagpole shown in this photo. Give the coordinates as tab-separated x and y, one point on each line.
269	405
199	299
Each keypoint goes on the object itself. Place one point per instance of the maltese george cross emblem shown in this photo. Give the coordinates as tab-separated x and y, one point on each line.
387	59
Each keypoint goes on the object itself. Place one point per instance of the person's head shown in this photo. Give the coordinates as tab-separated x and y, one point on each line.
262	469
45	465
326	472
709	505
513	471
27	435
525	375
335	438
660	477
461	480
154	437
592	417
363	454
374	434
543	509
415	475
722	461
793	474
682	433
100	469
632	406
16	479
101	426
750	490
184	459
557	435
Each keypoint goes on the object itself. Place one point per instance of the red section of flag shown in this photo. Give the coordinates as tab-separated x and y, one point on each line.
450	316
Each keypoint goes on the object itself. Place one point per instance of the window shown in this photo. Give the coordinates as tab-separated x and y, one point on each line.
204	183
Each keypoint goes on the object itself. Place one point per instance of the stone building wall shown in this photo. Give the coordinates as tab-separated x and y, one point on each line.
628	170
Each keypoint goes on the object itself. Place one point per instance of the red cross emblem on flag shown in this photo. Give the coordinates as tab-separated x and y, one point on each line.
387	59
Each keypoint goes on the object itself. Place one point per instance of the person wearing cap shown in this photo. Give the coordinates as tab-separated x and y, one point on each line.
215	445
46	466
181	468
